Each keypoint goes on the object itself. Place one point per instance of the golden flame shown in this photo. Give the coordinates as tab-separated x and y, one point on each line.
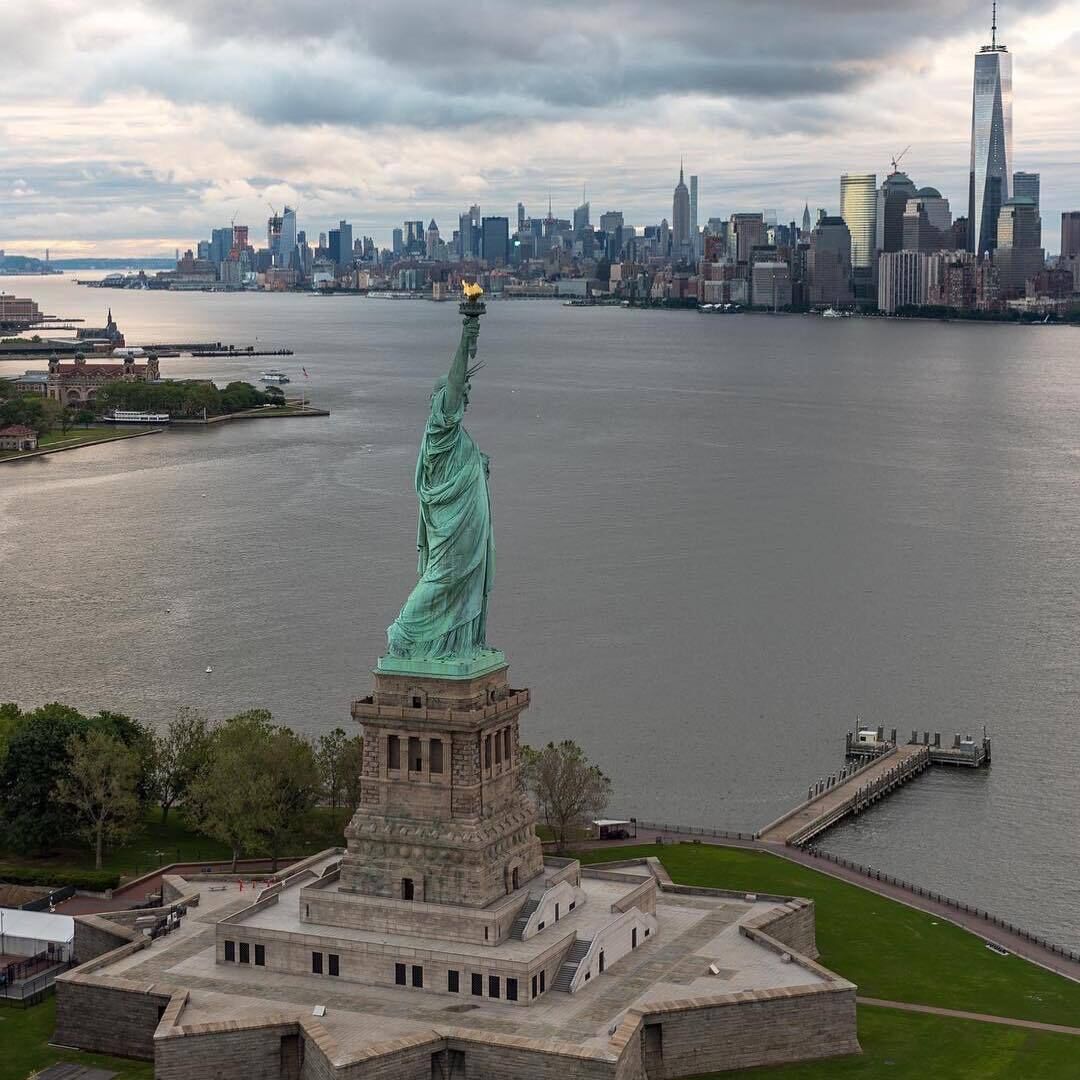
471	292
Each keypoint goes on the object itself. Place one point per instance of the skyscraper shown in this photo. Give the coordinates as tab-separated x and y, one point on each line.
496	240
611	229
858	207
432	240
273	238
893	195
680	219
1070	234
1019	253
1070	245
345	248
581	217
469	233
927	222
221	242
1026	185
829	264
693	215
806	224
991	142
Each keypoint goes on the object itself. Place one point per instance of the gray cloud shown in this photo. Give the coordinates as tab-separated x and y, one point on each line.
437	65
151	119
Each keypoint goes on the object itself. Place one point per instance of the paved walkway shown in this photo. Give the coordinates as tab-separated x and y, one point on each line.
956	1014
832	800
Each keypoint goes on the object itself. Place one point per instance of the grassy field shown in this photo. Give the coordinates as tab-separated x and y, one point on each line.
156	845
907	1046
76	436
24	1037
889	950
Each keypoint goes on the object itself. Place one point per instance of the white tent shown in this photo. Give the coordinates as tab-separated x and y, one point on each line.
27	933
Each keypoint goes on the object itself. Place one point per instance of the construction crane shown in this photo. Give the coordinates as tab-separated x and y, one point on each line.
899	157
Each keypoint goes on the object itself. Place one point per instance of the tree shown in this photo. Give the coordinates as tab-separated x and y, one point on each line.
289	787
10	718
101	789
352	766
37	758
567	787
224	799
257	783
138	738
84	417
331	748
178	755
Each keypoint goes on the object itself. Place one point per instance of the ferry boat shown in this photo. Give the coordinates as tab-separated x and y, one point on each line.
832	313
131	416
274	377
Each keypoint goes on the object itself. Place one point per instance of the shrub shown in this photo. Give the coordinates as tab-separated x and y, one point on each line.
90	880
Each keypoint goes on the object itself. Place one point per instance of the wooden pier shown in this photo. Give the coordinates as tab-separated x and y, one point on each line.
879	767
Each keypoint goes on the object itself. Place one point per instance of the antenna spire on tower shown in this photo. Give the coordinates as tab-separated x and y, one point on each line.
993	28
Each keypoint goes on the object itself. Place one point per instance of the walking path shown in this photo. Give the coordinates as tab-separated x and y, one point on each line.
826	807
957	1014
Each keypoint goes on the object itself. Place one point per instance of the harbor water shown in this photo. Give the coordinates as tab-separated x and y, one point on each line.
720	539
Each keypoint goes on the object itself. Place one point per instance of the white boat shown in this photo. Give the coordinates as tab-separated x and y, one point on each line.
832	313
131	416
274	377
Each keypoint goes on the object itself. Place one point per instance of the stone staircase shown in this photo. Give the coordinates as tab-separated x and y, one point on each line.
570	965
523	917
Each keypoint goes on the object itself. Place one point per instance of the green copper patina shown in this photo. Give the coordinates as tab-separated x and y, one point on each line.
442	627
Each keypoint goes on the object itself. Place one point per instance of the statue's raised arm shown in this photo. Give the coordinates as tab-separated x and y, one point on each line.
458	376
445	615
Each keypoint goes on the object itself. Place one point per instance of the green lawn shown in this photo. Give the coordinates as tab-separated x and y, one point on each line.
156	845
76	436
889	950
907	1046
24	1037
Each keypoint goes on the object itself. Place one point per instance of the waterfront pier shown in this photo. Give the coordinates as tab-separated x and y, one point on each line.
876	766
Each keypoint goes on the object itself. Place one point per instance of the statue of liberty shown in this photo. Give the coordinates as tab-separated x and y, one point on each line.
445	615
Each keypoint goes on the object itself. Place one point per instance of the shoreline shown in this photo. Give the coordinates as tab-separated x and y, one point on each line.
289	413
27	454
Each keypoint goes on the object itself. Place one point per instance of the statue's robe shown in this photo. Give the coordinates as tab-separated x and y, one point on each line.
446	613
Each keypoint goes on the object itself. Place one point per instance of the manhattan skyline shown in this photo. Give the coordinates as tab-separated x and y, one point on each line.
133	127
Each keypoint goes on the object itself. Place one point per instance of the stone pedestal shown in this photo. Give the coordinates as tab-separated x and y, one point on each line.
443	817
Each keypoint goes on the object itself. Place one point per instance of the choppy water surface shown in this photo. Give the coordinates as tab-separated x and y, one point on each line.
719	539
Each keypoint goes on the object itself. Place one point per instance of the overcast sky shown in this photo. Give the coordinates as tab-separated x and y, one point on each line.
133	127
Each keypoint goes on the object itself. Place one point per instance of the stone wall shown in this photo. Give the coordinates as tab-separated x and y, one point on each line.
477	926
751	1029
212	1052
95	936
792	925
107	1019
643	898
615	941
373	963
563	896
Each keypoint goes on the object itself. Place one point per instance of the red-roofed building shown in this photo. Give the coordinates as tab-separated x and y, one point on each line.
18	437
78	382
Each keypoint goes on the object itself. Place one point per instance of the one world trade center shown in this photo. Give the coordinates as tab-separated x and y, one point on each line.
991	142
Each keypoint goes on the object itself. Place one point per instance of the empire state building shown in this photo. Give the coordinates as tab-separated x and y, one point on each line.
991	142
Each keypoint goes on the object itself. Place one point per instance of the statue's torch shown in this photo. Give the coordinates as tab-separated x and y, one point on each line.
472	307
